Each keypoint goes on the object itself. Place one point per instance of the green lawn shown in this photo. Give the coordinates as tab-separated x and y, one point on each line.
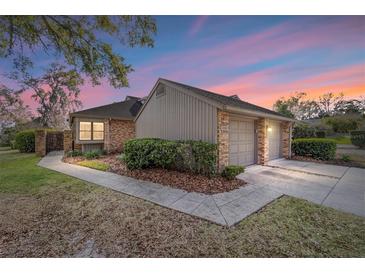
341	140
95	164
47	214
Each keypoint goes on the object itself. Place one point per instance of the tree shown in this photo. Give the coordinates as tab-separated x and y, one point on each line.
308	109
13	111
352	106
282	106
79	40
327	103
56	91
290	107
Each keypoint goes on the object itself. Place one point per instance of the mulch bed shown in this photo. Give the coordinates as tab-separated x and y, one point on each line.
190	182
338	162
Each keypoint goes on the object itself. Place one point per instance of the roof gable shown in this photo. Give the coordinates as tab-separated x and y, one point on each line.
121	110
230	101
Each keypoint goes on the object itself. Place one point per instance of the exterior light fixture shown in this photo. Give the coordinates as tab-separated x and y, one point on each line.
269	129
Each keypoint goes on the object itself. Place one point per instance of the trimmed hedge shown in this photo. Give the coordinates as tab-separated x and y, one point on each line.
320	134
196	156
25	141
323	149
230	172
358	138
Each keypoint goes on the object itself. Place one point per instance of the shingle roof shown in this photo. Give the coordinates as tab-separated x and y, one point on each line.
226	100
122	110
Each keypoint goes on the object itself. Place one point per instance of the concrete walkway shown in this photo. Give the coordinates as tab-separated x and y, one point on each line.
224	208
335	186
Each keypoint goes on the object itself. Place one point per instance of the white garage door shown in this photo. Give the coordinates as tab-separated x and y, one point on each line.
274	135
241	142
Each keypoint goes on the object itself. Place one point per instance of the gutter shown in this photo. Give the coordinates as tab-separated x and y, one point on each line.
258	114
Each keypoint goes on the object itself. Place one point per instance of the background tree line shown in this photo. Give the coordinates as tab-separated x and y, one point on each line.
81	46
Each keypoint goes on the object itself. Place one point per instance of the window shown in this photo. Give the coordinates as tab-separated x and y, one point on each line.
98	131
91	131
85	131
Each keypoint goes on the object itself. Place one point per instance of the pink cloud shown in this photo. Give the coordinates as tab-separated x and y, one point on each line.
259	87
197	25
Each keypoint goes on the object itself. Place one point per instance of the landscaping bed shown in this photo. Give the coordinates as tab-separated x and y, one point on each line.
61	216
188	181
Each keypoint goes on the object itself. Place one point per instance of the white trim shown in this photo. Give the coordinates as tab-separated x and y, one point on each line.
258	114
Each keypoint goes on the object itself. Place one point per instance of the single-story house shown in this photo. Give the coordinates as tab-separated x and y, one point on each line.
245	133
106	127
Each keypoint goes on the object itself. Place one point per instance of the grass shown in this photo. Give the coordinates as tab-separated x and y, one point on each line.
341	140
4	148
56	216
95	164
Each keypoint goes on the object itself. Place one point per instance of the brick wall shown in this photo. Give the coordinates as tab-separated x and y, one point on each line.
262	142
285	139
40	142
117	132
223	139
67	140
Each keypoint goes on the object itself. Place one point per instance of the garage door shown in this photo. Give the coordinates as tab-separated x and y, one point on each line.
241	142
274	135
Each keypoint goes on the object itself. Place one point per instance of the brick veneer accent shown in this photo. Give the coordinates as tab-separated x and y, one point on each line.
262	142
40	142
117	132
67	140
285	139
223	139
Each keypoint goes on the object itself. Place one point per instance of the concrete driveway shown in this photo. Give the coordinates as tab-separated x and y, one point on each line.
339	187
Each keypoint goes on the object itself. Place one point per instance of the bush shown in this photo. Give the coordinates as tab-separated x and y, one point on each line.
196	156
74	153
323	149
345	158
230	172
320	134
92	154
303	131
343	124
25	141
358	138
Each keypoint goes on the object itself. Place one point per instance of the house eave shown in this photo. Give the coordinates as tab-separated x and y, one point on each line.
258	114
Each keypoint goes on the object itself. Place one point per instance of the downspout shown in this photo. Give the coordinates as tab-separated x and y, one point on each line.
290	138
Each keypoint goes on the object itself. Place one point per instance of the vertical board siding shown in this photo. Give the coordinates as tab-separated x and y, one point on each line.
177	116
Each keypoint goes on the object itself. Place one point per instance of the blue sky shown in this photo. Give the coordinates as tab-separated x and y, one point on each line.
260	58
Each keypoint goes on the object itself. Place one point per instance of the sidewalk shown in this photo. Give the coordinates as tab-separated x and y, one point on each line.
226	208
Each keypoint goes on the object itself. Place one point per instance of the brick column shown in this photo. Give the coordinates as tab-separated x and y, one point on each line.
223	139
285	139
67	140
107	145
262	142
40	142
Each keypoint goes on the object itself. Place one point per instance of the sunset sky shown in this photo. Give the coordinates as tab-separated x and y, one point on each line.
260	58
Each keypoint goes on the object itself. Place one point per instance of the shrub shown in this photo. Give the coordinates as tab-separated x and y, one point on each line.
343	124
323	149
74	153
320	134
358	138
92	154
345	158
204	157
230	172
303	131
25	141
195	156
